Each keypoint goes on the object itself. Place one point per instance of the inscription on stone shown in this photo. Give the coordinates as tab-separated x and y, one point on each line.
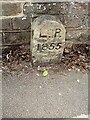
48	39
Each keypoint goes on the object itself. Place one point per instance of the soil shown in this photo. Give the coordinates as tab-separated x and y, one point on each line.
18	58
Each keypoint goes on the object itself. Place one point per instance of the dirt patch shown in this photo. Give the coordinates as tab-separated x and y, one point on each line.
18	58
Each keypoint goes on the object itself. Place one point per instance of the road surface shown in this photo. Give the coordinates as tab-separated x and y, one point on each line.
62	94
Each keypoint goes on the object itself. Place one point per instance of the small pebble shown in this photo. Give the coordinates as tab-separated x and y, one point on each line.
69	69
39	6
40	86
7	56
78	70
26	66
44	8
37	74
72	3
54	3
73	67
24	18
78	80
38	68
45	73
49	4
60	94
24	9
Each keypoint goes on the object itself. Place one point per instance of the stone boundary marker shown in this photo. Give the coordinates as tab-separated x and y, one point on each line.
48	39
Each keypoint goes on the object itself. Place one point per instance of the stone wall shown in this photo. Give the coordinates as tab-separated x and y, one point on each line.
74	17
15	25
16	20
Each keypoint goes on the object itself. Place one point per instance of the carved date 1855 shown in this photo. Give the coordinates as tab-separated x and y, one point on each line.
50	46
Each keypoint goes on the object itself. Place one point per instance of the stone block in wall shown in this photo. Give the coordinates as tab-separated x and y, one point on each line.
0	39
71	14
47	8
88	22
27	8
0	25
78	9
6	24
16	38
66	8
76	22
72	22
0	55
10	9
0	10
89	8
80	35
23	22
0	51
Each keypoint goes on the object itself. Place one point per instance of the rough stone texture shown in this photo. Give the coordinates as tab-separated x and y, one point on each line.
0	39
73	22
72	15
58	8
77	34
89	8
16	38
27	9
89	21
51	8
78	9
10	9
21	23
6	24
16	30
48	39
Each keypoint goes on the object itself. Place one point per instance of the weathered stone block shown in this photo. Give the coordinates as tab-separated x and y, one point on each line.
10	9
89	8
78	9
6	24
77	34
0	10
27	8
0	56
16	38
88	21
80	22
48	39
72	14
72	22
47	8
0	39
21	22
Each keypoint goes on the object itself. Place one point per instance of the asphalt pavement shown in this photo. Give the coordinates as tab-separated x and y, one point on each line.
61	94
